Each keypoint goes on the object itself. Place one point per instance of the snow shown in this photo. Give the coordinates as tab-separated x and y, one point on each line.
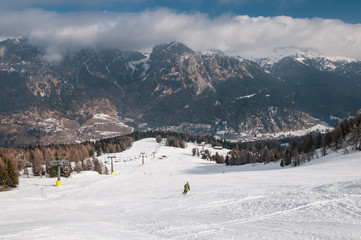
211	52
279	53
87	68
249	134
322	127
341	59
327	63
335	118
319	200
101	116
247	96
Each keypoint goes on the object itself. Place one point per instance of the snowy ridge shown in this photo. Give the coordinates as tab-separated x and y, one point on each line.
324	63
302	55
143	63
279	53
319	200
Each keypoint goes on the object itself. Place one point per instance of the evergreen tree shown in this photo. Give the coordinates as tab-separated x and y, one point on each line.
218	158
324	146
194	151
329	138
228	162
287	156
106	170
52	171
319	141
8	175
97	166
338	136
158	138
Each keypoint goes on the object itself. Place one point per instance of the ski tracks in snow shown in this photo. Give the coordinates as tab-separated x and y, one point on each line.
202	218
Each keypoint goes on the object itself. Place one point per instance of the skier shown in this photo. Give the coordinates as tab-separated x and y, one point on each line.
186	188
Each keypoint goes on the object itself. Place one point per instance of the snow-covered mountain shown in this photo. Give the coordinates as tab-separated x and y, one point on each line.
171	88
310	57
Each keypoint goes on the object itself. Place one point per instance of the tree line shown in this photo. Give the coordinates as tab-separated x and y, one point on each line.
299	150
82	155
346	132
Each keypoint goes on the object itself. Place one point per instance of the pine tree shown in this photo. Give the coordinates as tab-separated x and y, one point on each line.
324	147
52	171
338	136
194	151
3	173
8	176
106	170
219	159
97	166
227	161
287	157
158	138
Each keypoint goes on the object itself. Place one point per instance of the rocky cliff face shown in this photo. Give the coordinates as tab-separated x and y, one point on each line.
93	94
94	120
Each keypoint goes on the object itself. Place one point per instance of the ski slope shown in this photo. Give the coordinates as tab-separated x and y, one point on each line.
319	200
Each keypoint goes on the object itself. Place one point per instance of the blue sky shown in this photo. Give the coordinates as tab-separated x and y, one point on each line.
345	10
236	27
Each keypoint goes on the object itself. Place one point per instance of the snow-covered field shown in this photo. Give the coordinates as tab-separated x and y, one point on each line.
319	200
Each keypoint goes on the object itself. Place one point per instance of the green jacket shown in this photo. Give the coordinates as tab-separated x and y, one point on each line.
187	187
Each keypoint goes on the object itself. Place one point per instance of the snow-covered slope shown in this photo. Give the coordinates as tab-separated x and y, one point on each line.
304	56
279	53
319	200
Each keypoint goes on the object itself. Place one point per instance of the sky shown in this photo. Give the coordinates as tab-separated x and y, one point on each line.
236	27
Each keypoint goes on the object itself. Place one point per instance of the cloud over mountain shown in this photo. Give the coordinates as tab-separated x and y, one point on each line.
234	34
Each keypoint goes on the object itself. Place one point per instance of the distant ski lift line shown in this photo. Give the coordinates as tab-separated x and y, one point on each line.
59	160
22	158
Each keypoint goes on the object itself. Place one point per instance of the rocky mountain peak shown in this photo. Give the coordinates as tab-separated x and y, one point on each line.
174	48
173	88
17	51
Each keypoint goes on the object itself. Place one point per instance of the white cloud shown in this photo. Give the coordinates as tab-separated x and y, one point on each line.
241	35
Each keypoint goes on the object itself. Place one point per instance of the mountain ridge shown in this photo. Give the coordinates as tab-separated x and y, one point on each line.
173	87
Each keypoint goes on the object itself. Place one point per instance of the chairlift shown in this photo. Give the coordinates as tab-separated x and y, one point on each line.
28	164
66	170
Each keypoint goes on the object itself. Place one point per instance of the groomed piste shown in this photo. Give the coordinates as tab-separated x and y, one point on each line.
318	200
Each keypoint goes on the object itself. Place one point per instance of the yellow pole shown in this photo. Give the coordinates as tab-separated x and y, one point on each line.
111	162
142	153
58	183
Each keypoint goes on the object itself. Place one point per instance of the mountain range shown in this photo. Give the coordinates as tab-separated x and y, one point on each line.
91	93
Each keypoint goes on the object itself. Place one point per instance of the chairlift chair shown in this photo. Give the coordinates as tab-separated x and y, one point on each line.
28	164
